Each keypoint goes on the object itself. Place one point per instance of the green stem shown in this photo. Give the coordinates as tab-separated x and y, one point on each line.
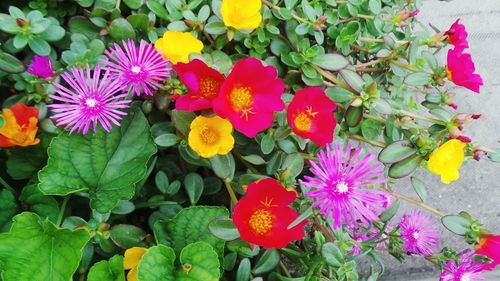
423	118
230	190
366	17
118	2
333	79
418	203
62	210
8	187
405	66
360	138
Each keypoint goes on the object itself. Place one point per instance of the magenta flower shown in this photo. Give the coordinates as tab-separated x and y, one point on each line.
41	67
457	35
336	186
141	69
419	233
460	70
89	98
464	270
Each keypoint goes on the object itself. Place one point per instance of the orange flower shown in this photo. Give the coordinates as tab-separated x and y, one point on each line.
19	126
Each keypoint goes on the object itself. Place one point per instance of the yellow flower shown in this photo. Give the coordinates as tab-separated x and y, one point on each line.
132	258
210	136
177	46
241	14
446	160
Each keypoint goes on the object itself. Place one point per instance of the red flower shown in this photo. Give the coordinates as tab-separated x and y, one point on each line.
19	126
460	70
263	215
490	247
203	83
249	96
310	114
457	35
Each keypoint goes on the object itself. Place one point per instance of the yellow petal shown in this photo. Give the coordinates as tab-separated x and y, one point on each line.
133	257
177	46
241	14
449	176
226	145
132	274
10	127
446	160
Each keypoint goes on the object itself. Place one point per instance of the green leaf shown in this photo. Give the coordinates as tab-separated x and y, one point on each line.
198	261
20	41
267	262
139	22
390	212
127	236
396	151
182	120
133	4
267	144
333	62
405	167
495	156
456	224
224	228
10	64
107	165
419	188
39	46
353	79
293	163
339	94
191	225
39	203
353	116
158	9
53	33
24	162
254	159
375	6
332	254
223	166
161	181
215	28
166	140
418	79
80	24
121	29
8	209
371	129
243	272
111	270
36	250
193	183
307	213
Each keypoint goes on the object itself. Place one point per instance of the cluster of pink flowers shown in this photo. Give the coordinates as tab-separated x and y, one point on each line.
101	96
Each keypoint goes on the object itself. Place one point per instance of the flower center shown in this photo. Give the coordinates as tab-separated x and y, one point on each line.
208	136
465	277
208	87
240	98
91	102
416	235
261	222
448	73
135	69
342	187
303	122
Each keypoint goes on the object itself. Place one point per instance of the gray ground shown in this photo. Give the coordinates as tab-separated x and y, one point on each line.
478	189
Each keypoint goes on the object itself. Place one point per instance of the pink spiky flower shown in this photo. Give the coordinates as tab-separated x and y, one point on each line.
419	233
89	99
41	67
336	187
141	69
466	269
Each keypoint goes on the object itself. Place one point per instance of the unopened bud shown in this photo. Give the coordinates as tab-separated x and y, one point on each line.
455	133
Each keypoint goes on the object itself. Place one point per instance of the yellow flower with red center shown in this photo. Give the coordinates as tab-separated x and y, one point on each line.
310	115
131	261
241	14
447	159
19	126
210	136
177	46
